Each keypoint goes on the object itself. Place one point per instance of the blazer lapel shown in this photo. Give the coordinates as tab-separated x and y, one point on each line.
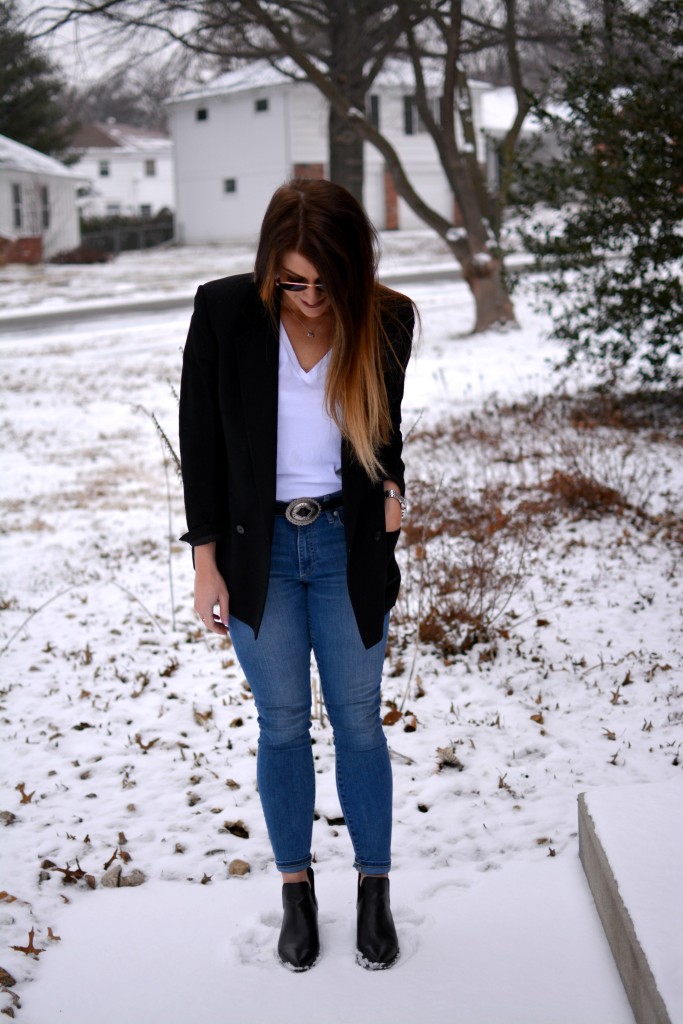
257	354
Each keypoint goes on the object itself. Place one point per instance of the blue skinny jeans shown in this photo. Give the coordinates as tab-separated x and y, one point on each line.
308	608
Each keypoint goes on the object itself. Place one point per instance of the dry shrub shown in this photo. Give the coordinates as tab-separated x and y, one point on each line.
600	471
485	485
582	494
462	561
660	413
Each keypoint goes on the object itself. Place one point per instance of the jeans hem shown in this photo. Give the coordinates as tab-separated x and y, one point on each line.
291	869
372	869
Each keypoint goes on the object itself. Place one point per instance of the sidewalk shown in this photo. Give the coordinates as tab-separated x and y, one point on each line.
523	945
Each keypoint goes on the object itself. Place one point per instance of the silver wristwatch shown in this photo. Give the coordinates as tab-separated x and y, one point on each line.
392	493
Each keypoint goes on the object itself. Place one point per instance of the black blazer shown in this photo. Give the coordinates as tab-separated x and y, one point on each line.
228	448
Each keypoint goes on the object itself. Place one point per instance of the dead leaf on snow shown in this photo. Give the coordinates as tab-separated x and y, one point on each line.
111	860
235	828
25	797
14	1005
448	758
30	949
202	717
145	746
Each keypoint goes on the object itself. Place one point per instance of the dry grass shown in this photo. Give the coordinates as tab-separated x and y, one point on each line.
486	487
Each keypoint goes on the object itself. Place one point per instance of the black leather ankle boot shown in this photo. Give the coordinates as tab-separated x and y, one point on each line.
299	946
377	942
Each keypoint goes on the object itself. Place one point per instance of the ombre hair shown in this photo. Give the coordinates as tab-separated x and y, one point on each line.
325	224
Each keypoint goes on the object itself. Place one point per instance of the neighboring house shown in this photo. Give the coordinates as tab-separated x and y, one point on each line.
239	137
38	212
129	170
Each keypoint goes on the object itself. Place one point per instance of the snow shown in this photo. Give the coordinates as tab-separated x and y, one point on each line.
255	75
637	827
183	955
131	732
14	156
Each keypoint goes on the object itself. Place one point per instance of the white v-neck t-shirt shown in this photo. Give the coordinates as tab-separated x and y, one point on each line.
308	439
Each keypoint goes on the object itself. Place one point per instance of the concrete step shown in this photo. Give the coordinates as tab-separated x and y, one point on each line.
631	848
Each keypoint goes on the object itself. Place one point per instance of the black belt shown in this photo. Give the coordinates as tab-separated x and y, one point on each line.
304	511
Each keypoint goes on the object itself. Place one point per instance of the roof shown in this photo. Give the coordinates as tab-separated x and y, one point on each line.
257	75
499	109
261	74
114	135
14	156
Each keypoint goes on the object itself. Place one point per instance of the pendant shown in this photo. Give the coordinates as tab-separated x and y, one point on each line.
311	334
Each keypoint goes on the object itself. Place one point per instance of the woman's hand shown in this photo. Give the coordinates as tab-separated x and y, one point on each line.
210	590
392	509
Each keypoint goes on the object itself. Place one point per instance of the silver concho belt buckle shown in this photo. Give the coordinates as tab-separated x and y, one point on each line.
302	511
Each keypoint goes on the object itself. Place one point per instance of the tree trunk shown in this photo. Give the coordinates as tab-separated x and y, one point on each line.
492	302
346	155
346	72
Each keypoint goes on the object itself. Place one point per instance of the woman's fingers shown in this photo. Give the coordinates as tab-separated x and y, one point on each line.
223	605
211	603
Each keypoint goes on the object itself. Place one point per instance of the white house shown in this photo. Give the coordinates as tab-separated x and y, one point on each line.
38	212
129	170
239	137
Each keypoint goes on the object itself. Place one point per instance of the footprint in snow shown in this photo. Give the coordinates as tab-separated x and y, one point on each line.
255	943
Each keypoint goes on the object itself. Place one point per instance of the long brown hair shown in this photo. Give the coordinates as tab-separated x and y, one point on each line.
325	224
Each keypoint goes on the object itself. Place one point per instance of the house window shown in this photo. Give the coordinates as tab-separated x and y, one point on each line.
145	210
412	122
17	207
113	209
261	105
150	168
373	111
104	169
45	206
229	184
201	114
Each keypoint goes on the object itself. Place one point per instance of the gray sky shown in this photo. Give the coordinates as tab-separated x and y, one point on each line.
80	48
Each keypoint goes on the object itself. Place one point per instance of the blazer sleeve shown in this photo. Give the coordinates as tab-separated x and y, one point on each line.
202	448
400	331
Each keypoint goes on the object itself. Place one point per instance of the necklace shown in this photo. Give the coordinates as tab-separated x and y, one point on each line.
309	332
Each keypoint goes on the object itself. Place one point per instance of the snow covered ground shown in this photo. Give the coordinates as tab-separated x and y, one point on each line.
129	735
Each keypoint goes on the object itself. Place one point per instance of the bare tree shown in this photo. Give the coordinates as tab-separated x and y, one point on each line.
340	48
130	95
350	41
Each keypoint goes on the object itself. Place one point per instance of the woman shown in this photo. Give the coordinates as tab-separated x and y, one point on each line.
292	386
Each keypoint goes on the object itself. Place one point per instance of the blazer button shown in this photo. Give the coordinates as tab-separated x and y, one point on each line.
377	535
239	528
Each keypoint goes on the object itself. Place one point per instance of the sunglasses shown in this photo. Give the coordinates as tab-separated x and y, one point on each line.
298	286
